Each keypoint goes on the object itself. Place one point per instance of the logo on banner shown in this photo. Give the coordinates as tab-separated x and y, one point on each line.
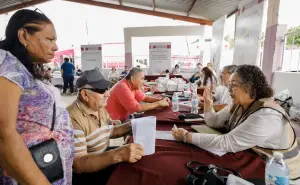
91	48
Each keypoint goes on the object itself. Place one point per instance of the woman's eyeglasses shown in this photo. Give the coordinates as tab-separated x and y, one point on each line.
234	85
99	91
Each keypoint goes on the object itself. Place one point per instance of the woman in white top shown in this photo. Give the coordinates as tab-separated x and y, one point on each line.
113	75
249	122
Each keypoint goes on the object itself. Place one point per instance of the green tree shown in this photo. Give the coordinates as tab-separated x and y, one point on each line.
293	37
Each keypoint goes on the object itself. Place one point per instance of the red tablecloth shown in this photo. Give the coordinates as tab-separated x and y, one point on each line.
167	116
167	165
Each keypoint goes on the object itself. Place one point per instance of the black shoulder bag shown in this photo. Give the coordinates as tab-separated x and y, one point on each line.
47	156
207	174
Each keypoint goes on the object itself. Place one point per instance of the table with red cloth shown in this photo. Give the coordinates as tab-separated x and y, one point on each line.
167	165
154	77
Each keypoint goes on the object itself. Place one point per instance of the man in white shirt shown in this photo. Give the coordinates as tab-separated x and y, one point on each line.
222	95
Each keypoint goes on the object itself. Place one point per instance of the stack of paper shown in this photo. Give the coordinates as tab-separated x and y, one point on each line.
165	135
207	130
144	133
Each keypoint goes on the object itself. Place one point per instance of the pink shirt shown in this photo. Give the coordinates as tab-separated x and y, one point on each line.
123	101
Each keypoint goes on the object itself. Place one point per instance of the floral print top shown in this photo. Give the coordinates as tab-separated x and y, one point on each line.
35	115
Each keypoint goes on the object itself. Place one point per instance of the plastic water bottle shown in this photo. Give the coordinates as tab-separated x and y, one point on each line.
195	103
194	88
175	101
277	172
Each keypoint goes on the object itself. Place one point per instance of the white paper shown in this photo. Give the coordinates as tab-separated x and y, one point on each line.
144	133
207	130
165	135
215	152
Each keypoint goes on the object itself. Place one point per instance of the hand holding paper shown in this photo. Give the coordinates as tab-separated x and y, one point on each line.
144	133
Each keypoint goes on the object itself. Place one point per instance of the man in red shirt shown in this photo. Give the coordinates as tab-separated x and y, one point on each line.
126	95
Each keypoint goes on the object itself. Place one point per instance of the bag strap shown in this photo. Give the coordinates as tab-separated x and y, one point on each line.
53	117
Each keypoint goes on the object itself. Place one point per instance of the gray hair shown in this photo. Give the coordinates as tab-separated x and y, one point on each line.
230	68
133	72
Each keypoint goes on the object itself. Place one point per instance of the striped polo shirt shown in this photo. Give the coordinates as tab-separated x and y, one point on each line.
91	130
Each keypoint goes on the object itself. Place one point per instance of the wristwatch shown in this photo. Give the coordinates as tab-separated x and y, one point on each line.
185	137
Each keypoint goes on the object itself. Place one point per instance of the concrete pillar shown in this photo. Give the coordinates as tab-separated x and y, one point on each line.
128	49
274	41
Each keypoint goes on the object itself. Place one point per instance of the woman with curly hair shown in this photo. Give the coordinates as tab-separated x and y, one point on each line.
254	121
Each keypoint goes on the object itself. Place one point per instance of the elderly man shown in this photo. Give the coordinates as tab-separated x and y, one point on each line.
221	96
92	131
126	95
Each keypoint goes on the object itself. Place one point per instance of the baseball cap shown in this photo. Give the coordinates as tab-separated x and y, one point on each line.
93	78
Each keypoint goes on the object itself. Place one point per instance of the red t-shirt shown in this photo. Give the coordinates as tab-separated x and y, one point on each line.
123	101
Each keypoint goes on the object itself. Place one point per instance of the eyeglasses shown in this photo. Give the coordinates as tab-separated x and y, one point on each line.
234	85
99	91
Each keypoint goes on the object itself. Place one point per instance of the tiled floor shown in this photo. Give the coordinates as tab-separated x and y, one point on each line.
67	100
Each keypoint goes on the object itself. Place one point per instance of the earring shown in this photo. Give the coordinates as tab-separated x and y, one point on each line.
25	45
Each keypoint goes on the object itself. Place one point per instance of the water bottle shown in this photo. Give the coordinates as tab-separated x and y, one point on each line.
194	88
175	101
195	103
277	172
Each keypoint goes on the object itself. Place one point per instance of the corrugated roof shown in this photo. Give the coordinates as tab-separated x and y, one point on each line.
189	10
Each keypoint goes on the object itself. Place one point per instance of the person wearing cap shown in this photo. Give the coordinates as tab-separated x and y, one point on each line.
92	131
126	95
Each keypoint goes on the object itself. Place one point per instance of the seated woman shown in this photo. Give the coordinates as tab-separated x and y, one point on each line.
176	70
113	75
208	78
210	66
254	120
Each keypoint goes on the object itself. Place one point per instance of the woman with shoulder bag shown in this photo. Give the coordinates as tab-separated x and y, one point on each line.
36	136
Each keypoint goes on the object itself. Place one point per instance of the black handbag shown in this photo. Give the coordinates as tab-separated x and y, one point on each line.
285	104
47	156
207	174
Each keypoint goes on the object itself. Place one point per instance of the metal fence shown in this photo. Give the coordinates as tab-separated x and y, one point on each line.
291	56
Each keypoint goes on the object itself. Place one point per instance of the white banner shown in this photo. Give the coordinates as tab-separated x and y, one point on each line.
248	32
91	57
217	42
159	57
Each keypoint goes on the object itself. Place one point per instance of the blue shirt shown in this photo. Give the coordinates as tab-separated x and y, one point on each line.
68	69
